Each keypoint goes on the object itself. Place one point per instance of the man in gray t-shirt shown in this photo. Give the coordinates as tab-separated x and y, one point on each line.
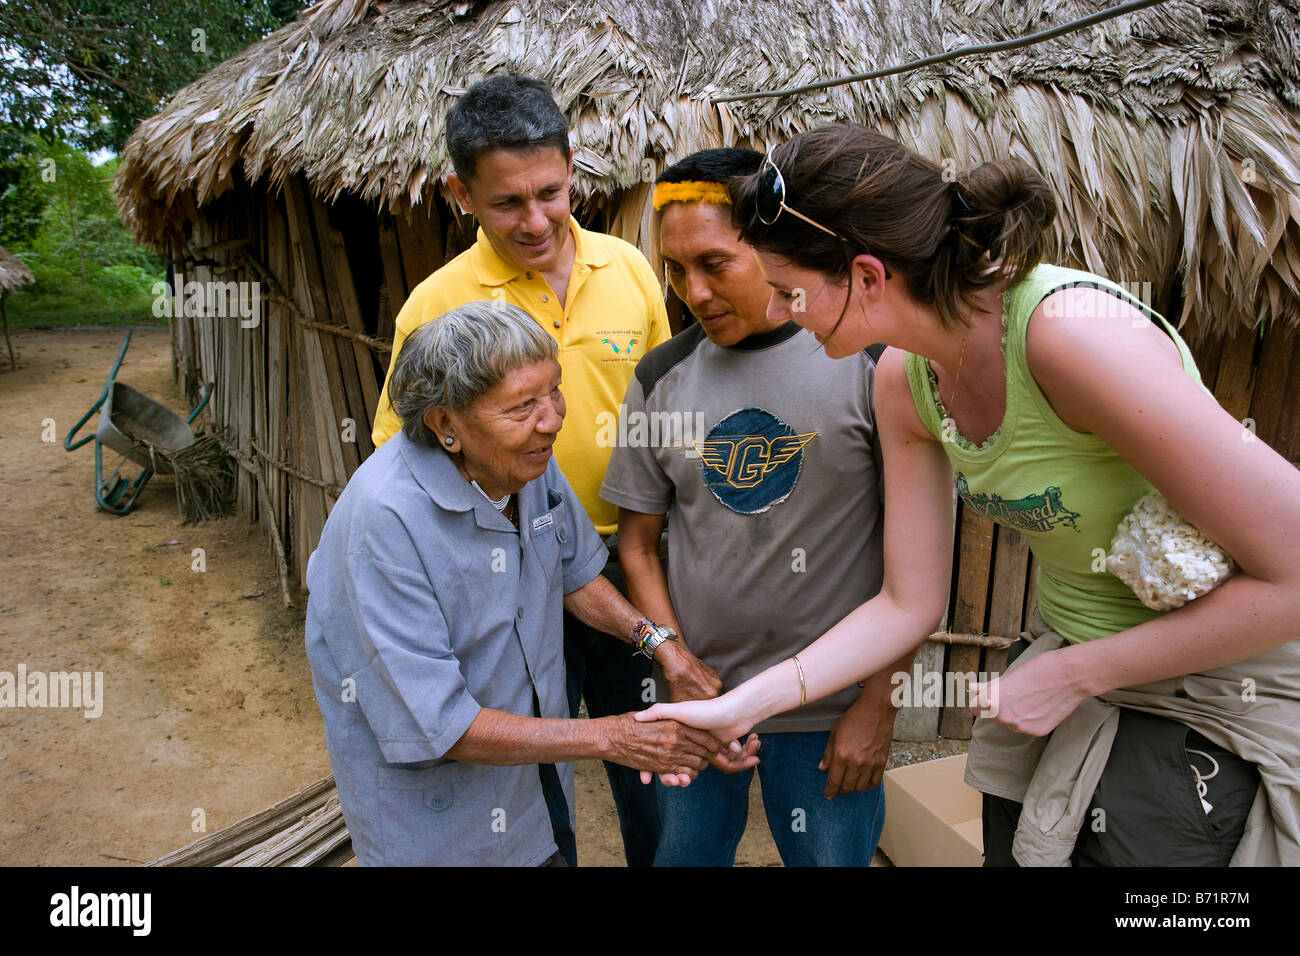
759	451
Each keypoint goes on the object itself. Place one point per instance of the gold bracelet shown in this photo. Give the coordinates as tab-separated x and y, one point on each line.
803	688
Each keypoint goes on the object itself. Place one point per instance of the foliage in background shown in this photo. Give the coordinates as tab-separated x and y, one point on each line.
21	200
88	71
76	76
59	216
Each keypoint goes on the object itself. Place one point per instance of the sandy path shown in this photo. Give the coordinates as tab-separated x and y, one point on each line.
208	703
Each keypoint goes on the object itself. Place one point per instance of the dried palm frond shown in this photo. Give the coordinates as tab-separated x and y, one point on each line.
1171	134
14	273
205	479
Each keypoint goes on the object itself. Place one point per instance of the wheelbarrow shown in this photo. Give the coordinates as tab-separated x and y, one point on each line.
137	428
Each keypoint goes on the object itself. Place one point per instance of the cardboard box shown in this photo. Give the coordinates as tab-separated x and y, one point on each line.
932	818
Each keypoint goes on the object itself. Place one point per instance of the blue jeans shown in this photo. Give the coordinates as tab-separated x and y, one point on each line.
701	825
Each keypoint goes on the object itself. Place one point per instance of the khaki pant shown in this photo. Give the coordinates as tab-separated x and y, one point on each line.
1114	784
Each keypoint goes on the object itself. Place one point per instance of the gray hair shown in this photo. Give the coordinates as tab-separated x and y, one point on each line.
457	357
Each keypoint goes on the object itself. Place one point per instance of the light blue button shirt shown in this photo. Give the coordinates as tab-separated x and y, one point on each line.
426	605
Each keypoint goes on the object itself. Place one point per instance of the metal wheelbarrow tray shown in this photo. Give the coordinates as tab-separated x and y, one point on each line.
130	422
137	428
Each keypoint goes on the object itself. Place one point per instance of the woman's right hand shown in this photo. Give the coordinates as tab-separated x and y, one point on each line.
723	716
665	747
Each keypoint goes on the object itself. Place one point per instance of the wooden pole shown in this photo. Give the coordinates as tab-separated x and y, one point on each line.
996	641
228	842
4	312
975	555
281	560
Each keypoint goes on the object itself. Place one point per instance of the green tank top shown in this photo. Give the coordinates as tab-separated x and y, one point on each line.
1065	490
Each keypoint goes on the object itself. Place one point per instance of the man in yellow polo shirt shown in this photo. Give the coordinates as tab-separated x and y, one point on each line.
596	295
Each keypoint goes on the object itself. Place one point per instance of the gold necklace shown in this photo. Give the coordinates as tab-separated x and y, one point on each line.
956	382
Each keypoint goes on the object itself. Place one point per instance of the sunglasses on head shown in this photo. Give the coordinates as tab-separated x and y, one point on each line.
770	201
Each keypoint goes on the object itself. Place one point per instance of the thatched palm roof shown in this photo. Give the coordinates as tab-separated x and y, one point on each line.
1171	134
13	272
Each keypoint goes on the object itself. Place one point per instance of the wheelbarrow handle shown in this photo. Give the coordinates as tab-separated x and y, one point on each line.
68	443
126	341
205	393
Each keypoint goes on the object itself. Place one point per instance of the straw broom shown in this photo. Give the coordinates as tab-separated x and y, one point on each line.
205	479
204	474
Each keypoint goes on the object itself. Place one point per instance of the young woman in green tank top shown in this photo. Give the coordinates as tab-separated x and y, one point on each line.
1052	398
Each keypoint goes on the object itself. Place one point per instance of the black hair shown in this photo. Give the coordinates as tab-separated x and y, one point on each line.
713	166
503	112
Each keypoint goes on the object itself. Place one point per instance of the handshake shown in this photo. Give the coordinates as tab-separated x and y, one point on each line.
675	751
677	740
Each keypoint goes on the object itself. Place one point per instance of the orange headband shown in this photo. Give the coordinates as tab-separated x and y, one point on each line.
695	191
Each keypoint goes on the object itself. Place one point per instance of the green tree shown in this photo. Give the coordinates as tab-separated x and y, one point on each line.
73	217
87	71
21	198
87	266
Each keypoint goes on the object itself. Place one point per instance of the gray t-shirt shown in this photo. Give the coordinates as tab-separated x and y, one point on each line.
763	457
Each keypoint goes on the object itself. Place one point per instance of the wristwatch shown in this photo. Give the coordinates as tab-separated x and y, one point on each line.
647	636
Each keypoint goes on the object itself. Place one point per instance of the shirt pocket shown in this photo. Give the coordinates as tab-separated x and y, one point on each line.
436	793
436	815
548	537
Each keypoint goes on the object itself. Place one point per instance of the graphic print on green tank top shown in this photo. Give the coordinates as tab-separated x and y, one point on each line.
1041	512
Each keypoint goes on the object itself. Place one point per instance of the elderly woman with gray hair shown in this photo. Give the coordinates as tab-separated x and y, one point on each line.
434	623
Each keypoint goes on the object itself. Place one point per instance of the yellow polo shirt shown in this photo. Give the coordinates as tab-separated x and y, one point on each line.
612	315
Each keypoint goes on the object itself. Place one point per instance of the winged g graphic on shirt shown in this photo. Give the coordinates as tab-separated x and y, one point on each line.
751	460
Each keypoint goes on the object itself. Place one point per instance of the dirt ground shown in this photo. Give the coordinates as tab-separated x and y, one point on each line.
208	710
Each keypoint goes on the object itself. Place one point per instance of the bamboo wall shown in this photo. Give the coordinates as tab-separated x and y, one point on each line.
298	391
332	279
1254	376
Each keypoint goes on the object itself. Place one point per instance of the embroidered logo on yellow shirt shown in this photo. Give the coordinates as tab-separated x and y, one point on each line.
627	350
623	344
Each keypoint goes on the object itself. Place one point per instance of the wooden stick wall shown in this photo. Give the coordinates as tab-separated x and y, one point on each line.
1253	377
298	391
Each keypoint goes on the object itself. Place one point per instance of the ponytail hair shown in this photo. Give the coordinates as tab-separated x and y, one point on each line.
947	236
